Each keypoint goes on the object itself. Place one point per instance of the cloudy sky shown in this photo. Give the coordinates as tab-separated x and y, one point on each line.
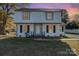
72	8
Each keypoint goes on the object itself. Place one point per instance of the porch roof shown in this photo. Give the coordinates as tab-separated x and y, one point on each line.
35	23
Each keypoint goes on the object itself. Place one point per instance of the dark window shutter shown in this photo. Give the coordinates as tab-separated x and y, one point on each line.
20	28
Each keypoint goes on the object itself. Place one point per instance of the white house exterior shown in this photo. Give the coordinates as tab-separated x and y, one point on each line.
38	22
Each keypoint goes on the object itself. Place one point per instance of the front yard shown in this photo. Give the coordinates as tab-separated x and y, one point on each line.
28	47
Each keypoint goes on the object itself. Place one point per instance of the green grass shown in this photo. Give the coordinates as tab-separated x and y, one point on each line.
29	47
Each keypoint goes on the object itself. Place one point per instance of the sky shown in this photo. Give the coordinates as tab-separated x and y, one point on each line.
72	8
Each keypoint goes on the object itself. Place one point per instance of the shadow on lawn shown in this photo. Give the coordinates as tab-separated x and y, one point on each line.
29	47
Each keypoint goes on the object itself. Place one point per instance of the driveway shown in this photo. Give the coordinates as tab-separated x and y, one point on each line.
74	45
73	42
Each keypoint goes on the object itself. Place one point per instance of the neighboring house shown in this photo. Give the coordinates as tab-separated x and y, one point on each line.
38	22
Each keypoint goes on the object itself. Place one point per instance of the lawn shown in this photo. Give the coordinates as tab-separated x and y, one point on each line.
29	47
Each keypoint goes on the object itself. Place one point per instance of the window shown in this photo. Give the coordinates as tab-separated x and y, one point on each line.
27	28
54	28
26	15
62	28
47	29
20	28
49	15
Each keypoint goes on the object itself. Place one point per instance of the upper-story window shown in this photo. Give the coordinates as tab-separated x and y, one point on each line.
49	15
26	15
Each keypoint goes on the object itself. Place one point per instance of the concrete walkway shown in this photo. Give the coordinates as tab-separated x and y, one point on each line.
6	36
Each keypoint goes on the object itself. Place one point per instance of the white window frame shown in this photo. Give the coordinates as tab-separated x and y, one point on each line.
26	15
49	15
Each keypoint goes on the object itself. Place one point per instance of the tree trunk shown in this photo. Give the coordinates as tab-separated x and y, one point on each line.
4	19
4	23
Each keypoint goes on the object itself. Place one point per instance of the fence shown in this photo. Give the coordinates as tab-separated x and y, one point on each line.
75	31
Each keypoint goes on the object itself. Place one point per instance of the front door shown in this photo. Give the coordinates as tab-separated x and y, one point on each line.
38	29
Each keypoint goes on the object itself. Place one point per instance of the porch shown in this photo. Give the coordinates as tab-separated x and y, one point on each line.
39	30
42	36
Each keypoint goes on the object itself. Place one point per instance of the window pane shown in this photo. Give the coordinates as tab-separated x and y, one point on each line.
49	15
50	28
26	28
26	15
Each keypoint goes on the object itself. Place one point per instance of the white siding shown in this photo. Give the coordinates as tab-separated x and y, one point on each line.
38	17
57	16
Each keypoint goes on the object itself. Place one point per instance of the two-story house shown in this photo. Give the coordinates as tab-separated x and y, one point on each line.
39	22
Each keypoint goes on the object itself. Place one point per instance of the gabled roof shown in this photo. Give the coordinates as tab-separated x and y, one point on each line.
40	9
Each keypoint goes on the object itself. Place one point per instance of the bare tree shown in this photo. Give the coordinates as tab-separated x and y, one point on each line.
64	15
7	9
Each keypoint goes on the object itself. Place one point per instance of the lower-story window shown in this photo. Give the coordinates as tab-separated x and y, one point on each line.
49	28
24	28
20	28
